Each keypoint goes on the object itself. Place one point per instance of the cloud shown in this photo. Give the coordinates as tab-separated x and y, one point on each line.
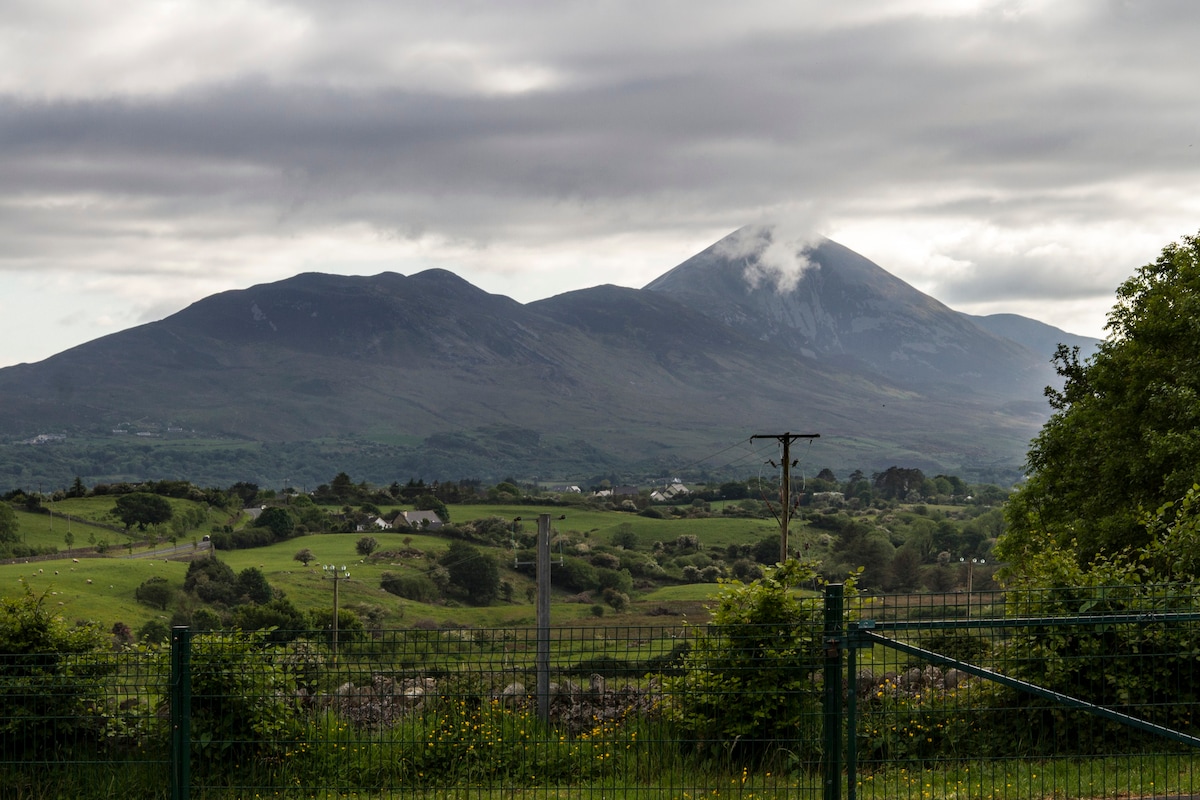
775	248
1021	152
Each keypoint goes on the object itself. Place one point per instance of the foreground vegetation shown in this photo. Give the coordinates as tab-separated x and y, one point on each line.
731	709
425	686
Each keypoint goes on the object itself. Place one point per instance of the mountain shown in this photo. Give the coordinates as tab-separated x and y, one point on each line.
1036	336
393	377
844	309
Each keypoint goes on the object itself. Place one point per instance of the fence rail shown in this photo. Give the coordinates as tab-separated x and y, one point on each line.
890	697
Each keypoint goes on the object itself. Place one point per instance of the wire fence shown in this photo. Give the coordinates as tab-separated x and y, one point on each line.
964	695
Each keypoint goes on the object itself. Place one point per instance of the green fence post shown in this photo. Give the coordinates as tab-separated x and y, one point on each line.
832	679
181	712
852	714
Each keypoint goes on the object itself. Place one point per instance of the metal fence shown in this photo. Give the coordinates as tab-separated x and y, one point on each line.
966	695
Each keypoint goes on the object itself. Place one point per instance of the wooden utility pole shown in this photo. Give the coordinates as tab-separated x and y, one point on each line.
785	489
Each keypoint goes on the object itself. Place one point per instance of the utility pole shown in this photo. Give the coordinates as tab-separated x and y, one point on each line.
543	617
541	663
785	489
337	574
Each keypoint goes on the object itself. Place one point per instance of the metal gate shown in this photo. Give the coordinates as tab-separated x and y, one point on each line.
1006	683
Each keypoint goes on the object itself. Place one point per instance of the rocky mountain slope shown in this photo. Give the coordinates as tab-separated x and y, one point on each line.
428	376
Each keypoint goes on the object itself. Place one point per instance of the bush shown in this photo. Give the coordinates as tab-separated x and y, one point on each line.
243	699
613	579
155	592
575	574
50	694
211	580
153	632
419	588
763	647
279	521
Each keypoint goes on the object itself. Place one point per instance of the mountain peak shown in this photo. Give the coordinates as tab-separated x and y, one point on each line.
825	301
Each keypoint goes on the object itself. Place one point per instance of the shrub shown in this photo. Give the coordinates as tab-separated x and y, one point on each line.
419	588
50	693
155	591
211	580
242	697
763	646
153	632
613	579
575	574
278	520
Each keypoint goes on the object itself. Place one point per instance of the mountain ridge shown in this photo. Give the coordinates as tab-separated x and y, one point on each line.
429	376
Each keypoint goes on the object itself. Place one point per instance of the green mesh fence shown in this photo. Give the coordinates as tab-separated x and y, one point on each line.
1047	693
933	697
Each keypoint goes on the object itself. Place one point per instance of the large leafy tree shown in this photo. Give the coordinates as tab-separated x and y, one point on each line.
142	509
472	572
1124	437
278	520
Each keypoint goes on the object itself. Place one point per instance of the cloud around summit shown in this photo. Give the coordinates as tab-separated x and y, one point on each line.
1021	156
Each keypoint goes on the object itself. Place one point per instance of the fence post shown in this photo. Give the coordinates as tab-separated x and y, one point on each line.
852	714
832	681
181	712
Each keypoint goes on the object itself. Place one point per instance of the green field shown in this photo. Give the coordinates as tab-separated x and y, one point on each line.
83	585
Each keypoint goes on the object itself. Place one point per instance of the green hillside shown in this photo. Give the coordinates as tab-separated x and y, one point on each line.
607	564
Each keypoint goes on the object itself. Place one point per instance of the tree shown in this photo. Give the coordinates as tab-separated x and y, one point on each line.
246	493
366	545
305	556
624	537
142	509
252	587
153	632
472	572
9	525
342	487
155	591
212	580
278	520
1125	431
896	483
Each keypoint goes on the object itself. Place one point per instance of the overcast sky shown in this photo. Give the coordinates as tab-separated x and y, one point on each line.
1001	156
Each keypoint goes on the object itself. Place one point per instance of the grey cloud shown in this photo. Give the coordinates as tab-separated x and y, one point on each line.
650	123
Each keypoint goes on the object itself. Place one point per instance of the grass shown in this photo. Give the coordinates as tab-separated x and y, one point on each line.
110	595
91	588
713	532
1119	776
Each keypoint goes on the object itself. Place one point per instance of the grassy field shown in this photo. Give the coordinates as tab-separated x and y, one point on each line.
713	532
84	586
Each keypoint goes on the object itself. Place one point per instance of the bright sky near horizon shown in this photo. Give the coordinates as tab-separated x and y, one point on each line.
1020	156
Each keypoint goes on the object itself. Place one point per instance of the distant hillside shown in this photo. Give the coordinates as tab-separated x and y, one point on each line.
1037	336
391	377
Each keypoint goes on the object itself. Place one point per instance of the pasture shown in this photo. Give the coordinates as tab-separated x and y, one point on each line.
82	584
